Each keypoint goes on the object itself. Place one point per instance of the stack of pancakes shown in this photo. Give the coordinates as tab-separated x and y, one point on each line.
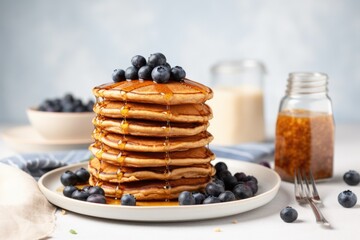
151	139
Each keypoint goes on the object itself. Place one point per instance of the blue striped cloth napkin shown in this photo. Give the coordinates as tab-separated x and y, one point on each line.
36	164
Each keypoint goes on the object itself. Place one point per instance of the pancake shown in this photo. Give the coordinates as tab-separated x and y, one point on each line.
201	155
148	128
171	93
151	144
151	190
155	112
116	174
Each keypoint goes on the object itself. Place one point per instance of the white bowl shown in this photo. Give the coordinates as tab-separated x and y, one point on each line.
62	125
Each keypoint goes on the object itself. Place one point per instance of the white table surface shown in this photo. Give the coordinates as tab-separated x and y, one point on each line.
261	223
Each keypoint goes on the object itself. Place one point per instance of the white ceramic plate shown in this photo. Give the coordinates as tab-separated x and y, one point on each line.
269	183
27	139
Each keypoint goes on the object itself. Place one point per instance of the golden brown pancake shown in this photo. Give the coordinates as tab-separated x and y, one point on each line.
151	190
117	174
201	155
155	112
149	128
140	91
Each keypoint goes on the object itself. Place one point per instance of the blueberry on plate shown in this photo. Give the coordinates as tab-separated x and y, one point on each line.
240	176
352	177
96	190
138	61
186	198
253	185
288	214
230	182
118	75
128	200
131	73
82	175
96	198
86	188
265	164
177	73
68	178
220	166
80	195
211	199
347	199
213	189
219	181
68	190
227	196
242	191
145	72
223	174
160	74
199	197
156	59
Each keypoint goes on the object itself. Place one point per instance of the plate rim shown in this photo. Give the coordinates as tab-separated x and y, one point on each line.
48	193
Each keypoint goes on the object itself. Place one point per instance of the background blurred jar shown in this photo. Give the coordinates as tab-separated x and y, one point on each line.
237	105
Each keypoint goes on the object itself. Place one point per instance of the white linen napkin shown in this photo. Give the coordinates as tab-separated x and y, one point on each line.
25	213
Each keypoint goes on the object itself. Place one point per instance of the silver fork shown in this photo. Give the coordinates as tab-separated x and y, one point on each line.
305	195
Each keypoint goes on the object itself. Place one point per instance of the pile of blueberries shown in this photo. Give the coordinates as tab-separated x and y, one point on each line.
68	103
156	68
224	188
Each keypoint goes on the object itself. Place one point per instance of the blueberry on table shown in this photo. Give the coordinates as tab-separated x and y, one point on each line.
80	195
128	200
242	191
227	196
118	75
131	73
156	59
213	189
347	199
68	178
82	175
211	199
96	198
352	177
138	61
68	190
177	73
220	166
145	72
96	190
186	198
288	214
199	197
160	74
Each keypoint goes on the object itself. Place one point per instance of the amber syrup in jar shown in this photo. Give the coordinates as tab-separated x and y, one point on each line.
305	128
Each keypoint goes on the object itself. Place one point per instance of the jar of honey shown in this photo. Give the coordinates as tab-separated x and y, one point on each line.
305	128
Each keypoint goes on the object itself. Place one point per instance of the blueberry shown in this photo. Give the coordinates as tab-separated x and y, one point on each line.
220	166
68	178
177	73
265	164
168	66
131	73
288	214
118	75
86	188
186	198
96	190
352	178
253	185
96	198
90	106
160	74
242	191
347	199
68	190
223	174
68	98
128	200
213	189
199	197
250	178
68	107
219	181
211	199
227	196
240	176
156	59
138	61
230	182
82	175
80	195
145	72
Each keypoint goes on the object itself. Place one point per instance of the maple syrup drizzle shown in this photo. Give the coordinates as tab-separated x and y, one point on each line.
194	85
167	159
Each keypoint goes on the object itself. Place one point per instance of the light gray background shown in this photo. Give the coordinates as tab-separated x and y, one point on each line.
48	48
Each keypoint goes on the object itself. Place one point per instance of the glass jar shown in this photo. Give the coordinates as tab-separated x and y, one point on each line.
238	102
305	128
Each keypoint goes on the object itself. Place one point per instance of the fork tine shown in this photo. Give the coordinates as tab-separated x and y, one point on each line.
315	193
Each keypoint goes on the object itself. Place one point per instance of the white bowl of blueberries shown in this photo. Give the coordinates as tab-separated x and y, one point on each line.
66	118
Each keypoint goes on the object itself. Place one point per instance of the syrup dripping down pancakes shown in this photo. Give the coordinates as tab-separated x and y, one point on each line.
150	139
